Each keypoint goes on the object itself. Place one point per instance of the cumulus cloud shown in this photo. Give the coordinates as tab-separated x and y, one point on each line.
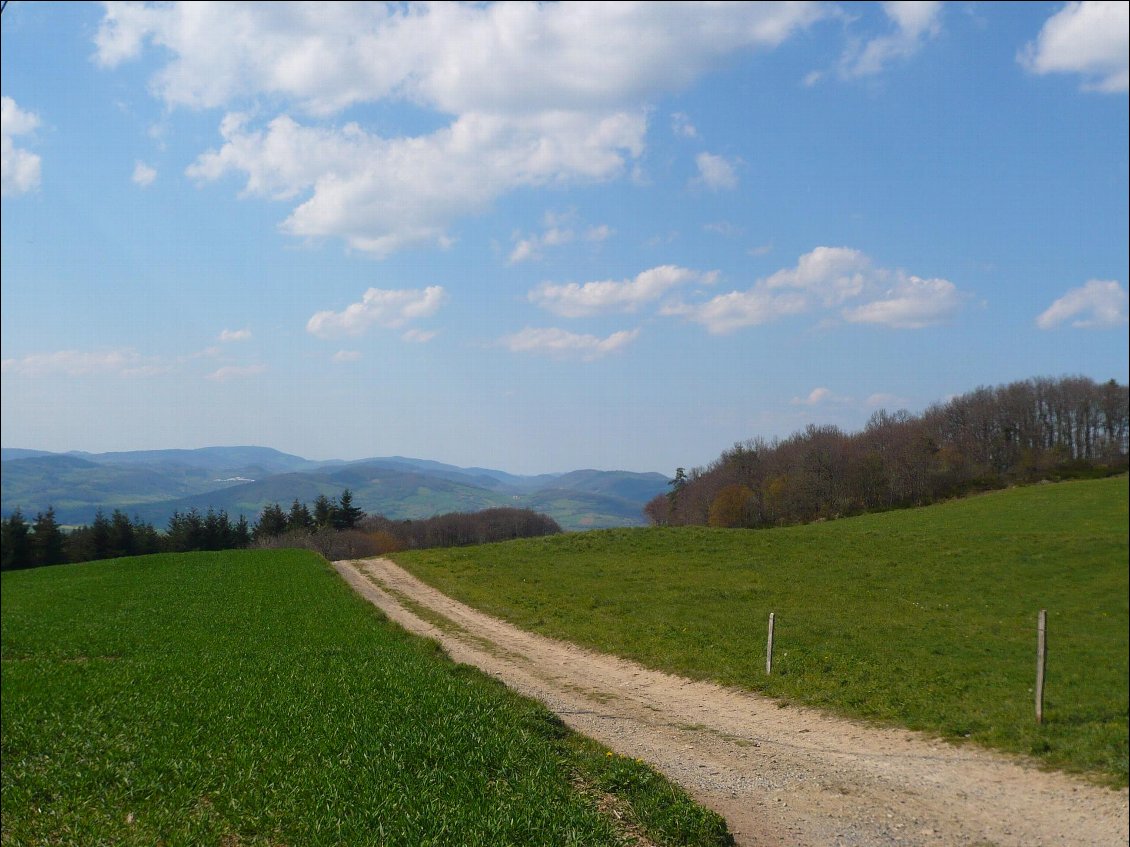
562	344
234	335
1099	304
910	303
19	169
378	307
574	300
122	362
229	372
837	279
589	72
1091	39
914	23
143	174
715	172
382	195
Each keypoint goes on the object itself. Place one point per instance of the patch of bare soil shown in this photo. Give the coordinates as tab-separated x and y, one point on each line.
780	776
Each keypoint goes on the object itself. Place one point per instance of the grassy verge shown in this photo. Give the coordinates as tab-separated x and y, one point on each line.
250	698
924	618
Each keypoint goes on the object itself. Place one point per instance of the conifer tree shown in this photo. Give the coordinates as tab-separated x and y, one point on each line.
15	545
347	515
48	539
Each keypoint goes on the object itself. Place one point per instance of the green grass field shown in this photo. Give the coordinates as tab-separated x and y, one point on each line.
923	618
250	698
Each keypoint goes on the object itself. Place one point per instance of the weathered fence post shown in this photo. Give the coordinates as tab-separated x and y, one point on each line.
769	648
1041	661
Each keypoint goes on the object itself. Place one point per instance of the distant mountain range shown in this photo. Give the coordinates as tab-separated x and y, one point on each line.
152	484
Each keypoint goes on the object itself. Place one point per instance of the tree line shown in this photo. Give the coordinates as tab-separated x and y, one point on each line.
989	438
376	535
335	527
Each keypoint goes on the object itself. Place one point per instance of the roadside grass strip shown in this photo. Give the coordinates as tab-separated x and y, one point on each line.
924	618
251	698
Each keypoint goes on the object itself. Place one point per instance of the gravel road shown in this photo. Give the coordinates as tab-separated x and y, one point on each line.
780	776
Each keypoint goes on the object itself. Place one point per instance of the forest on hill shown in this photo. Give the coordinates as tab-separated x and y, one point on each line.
1021	432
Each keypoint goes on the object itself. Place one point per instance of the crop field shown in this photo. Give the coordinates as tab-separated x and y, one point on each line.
923	618
250	698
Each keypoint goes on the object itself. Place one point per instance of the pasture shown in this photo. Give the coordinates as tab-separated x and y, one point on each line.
250	698
924	618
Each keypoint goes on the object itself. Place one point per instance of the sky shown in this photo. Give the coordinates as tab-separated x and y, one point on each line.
540	237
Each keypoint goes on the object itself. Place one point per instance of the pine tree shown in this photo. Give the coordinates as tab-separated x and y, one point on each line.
347	515
15	546
324	509
271	523
48	539
299	517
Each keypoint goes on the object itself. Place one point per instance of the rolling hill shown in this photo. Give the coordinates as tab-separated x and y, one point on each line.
152	484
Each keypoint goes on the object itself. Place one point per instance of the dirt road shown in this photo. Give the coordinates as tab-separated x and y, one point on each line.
780	776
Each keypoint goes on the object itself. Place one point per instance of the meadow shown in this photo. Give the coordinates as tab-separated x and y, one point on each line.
923	618
250	698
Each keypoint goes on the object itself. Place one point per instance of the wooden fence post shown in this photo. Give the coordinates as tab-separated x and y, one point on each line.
769	648
1041	661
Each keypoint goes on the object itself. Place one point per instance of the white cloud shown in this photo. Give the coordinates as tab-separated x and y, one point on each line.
833	274
234	335
910	303
19	169
382	195
230	372
589	73
419	336
559	230
559	343
1091	39
381	307
682	127
573	300
143	174
1098	304
122	362
738	309
715	172
814	398
830	278
343	356
914	23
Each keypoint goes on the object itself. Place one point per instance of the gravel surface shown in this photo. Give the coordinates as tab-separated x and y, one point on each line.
780	776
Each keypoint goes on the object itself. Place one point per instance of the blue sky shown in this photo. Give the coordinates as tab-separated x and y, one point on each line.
545	237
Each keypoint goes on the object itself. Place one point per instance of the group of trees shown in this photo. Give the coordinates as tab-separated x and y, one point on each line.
1021	432
327	514
334	527
375	535
44	542
459	529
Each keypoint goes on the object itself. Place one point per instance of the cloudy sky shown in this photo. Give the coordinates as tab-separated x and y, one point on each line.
545	237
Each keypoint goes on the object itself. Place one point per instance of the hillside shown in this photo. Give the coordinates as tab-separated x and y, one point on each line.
152	484
923	617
